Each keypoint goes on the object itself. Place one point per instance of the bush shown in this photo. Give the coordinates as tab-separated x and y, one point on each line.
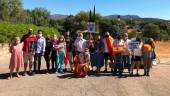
164	36
9	30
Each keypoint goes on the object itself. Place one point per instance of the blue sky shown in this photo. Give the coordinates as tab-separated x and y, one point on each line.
142	8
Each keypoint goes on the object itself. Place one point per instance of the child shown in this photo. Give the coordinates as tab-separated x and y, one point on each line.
60	54
54	53
16	61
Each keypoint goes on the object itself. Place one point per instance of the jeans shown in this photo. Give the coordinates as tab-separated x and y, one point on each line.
60	62
127	61
37	57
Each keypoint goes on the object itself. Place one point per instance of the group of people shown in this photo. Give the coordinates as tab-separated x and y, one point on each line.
80	54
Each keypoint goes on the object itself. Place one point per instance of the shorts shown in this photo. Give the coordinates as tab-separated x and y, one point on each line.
107	56
28	56
136	58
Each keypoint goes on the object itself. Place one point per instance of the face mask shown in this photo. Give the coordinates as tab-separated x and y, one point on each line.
107	35
118	38
29	33
55	38
98	39
40	35
61	39
67	35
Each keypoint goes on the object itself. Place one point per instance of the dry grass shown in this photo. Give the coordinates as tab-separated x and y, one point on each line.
163	49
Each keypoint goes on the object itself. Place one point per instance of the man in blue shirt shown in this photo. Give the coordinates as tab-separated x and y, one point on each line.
39	50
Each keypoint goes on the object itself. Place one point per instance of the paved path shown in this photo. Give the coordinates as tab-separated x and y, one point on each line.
67	85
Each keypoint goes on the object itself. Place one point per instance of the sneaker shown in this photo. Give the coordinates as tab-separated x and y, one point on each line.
17	75
10	77
56	72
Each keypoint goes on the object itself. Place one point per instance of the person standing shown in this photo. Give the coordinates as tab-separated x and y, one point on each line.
39	51
118	48
98	55
28	50
54	58
127	53
137	56
16	61
61	48
69	46
48	51
108	49
147	52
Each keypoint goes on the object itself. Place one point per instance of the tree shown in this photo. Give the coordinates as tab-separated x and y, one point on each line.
15	9
41	16
164	35
106	26
69	24
151	30
81	20
10	9
4	13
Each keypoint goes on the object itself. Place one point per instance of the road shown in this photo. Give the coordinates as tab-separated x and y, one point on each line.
68	85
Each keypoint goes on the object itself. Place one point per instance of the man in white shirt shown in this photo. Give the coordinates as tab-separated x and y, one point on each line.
80	43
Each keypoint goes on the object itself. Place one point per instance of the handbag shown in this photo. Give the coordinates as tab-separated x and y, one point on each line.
154	55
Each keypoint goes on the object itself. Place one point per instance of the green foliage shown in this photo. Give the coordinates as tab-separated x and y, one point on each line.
10	10
40	16
8	30
21	19
164	35
151	30
132	34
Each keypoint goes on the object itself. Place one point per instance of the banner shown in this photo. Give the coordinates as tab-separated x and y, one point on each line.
91	27
119	49
134	45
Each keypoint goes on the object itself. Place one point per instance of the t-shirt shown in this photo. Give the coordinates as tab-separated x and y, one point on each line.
29	42
138	51
147	47
61	46
128	50
48	48
80	44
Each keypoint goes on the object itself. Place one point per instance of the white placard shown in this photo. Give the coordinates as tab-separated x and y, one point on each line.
91	27
134	45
